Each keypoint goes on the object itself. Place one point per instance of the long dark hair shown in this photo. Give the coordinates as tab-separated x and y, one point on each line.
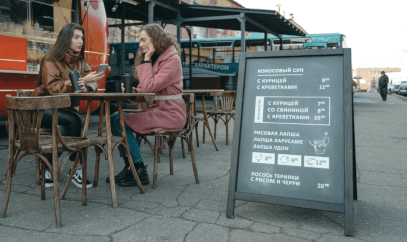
61	46
160	40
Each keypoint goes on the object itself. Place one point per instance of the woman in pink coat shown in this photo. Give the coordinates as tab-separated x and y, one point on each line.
158	69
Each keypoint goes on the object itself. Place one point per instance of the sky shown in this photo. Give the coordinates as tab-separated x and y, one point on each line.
376	31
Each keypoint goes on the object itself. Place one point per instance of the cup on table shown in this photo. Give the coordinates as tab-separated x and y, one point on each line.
127	83
74	76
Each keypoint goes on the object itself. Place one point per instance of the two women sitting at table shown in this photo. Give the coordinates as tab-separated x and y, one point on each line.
158	70
66	55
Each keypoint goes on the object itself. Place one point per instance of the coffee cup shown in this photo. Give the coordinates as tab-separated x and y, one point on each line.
127	81
74	76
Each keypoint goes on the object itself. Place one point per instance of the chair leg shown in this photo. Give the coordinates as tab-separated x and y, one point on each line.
203	134
84	159
68	182
37	170
97	164
136	178
162	140
183	149
213	139
191	139
194	163
171	146
55	172
215	125
196	132
138	138
7	192
227	129
156	155
133	169
42	167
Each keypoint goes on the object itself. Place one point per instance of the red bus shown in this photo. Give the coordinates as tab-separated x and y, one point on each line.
29	28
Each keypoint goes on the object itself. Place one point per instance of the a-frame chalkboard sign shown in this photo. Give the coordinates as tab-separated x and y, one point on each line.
293	136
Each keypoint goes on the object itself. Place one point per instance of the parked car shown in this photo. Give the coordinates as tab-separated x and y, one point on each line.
397	86
390	88
371	90
403	90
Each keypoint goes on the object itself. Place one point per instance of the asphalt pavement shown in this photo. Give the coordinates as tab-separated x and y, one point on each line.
181	210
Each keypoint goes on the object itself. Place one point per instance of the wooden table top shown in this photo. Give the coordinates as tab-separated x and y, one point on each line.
202	90
108	96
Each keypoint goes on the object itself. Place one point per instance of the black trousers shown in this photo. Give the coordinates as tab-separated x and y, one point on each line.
69	122
383	92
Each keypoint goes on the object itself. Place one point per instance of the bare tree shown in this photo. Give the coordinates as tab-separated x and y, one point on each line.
373	84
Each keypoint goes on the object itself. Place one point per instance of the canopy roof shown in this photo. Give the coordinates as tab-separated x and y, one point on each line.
179	13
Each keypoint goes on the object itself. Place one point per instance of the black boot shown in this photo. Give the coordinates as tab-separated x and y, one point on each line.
119	177
129	181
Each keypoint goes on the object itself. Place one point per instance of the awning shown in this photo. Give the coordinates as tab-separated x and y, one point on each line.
182	15
179	13
257	20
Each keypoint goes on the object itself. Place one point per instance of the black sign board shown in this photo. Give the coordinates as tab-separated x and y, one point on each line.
293	133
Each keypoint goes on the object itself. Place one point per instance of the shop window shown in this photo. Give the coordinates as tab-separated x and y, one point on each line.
43	16
13	17
40	27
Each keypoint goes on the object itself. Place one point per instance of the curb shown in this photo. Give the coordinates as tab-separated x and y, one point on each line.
400	96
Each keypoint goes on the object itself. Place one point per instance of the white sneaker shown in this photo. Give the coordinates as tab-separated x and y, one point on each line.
48	179
77	180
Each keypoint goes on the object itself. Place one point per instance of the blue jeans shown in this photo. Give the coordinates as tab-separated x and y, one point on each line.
133	145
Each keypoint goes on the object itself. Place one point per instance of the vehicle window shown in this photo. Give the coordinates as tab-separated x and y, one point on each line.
113	56
129	58
344	43
185	55
223	55
205	56
237	54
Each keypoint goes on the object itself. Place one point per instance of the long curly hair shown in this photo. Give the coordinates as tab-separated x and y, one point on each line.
160	40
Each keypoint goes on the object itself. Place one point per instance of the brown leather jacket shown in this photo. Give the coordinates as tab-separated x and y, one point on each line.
53	74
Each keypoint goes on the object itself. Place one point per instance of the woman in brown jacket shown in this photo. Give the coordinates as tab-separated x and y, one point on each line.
65	56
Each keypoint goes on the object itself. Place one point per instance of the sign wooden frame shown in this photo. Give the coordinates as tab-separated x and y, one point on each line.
349	149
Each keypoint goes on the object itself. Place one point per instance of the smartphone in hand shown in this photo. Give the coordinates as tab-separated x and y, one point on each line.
102	68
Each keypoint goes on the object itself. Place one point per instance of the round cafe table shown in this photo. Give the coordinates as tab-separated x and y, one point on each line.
108	139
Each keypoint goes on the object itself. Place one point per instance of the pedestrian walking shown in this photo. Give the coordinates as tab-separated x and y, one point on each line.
384	79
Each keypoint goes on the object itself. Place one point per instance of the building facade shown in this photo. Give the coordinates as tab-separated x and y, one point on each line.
369	77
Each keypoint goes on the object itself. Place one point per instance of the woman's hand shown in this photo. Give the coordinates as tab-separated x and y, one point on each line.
83	87
123	90
150	52
91	77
